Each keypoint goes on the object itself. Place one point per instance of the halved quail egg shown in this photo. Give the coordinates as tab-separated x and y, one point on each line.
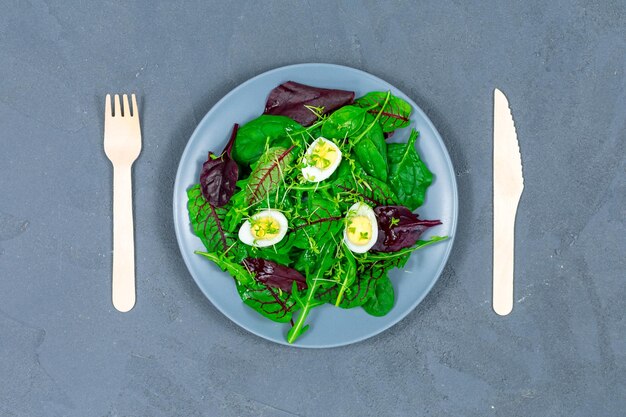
321	159
361	230
265	228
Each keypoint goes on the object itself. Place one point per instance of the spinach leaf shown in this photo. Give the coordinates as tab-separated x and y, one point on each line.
345	122
207	222
408	175
347	168
218	176
262	133
396	114
371	124
304	103
381	299
371	151
269	173
398	228
320	222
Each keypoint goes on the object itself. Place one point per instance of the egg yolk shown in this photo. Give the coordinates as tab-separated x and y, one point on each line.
323	155
359	230
265	228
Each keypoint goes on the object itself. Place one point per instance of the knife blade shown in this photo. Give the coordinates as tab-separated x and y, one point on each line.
508	184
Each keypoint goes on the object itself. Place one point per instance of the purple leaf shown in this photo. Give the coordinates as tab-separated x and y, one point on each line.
399	228
275	275
291	98
219	175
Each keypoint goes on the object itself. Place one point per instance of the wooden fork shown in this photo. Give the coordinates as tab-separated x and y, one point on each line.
122	145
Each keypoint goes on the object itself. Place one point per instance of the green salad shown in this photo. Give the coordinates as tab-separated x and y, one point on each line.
309	204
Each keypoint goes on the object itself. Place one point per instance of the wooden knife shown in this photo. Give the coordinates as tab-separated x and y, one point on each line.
508	184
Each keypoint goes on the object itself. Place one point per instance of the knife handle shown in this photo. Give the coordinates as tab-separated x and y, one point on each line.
503	255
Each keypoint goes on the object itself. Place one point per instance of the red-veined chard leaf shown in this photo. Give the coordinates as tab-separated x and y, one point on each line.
207	221
399	228
395	115
364	188
319	221
359	292
272	303
264	297
303	103
219	174
408	175
269	173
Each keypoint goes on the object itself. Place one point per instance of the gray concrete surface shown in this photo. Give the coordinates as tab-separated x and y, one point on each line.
65	352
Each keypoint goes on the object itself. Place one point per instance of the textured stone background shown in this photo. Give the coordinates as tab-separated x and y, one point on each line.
65	352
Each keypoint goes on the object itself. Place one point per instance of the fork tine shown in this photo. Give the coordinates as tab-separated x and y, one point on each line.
135	108
126	105
107	106
118	107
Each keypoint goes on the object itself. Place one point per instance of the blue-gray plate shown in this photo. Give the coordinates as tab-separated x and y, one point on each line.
329	326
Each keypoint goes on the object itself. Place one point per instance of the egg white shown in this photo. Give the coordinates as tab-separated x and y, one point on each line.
245	232
361	209
315	174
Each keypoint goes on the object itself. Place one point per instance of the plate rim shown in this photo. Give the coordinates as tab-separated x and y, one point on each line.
453	227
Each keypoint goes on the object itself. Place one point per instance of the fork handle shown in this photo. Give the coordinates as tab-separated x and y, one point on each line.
123	285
